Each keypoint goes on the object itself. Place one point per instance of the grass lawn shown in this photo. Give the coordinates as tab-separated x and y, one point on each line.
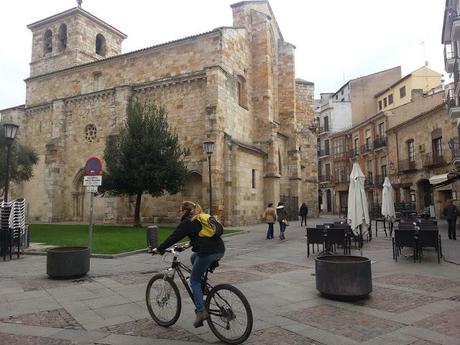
107	239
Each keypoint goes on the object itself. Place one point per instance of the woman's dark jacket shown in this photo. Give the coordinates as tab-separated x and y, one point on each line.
201	245
303	210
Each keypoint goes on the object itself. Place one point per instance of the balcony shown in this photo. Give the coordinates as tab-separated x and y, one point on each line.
325	178
339	156
379	179
369	181
366	148
323	153
432	160
455	33
341	177
407	165
354	152
454	145
322	130
453	105
449	59
380	142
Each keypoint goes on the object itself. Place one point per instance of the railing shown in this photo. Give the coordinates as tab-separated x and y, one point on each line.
324	152
366	147
341	155
325	178
430	159
341	177
379	179
407	165
454	145
353	152
323	129
369	181
380	142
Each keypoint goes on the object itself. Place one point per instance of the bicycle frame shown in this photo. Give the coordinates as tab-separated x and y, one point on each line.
178	267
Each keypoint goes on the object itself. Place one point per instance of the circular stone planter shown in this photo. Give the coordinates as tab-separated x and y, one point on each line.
343	277
67	262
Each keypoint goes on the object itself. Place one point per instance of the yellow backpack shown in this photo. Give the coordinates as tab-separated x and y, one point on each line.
210	226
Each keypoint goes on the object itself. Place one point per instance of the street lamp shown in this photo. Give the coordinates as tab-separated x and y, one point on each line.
208	147
10	134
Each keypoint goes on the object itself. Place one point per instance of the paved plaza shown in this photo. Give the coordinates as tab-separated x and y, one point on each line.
411	303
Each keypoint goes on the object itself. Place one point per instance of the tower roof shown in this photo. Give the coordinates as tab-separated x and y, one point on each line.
71	12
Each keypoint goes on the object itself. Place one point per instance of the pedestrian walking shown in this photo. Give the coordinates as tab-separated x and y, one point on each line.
303	212
270	218
282	216
451	213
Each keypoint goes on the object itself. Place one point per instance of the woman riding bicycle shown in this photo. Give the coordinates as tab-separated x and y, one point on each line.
206	251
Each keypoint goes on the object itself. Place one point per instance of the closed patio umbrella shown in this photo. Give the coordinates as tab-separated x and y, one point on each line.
358	209
388	200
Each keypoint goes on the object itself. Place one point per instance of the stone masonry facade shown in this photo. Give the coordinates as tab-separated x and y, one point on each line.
235	85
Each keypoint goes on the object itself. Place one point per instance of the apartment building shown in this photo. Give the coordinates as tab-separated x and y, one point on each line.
451	40
398	107
338	111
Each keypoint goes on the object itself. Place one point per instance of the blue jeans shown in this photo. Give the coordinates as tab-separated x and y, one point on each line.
282	227
270	230
199	266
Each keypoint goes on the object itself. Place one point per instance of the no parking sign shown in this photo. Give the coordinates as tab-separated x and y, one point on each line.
93	166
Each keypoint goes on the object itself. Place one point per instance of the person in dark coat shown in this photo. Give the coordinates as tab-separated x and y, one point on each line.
451	213
282	216
303	212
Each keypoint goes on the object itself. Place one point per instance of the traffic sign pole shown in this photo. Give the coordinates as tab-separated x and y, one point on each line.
90	237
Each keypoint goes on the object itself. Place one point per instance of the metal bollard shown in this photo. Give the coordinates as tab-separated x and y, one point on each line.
152	236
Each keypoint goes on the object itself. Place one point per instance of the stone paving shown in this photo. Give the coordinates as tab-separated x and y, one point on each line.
411	303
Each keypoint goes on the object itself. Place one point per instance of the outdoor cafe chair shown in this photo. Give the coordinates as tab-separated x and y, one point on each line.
429	239
314	236
404	238
338	236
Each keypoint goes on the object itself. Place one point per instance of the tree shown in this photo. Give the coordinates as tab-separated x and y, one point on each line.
23	158
145	157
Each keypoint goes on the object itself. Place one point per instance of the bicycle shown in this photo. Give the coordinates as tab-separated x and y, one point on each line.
224	302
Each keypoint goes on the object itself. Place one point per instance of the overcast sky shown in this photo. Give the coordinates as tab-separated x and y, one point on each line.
336	40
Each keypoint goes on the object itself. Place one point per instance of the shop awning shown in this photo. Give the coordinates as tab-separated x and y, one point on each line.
435	179
443	179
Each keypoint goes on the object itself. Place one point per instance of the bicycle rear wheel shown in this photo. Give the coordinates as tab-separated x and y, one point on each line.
230	315
163	300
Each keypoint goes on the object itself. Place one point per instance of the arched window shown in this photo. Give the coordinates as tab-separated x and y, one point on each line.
100	45
62	37
48	41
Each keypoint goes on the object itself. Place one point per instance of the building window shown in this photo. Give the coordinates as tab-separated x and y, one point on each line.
368	139
437	148
380	105
326	147
411	150
328	171
48	41
383	171
100	45
62	37
412	196
280	167
90	133
253	178
242	92
390	99
385	102
381	129
402	92
355	145
326	123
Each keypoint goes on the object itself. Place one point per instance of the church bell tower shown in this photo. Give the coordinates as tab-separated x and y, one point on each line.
71	38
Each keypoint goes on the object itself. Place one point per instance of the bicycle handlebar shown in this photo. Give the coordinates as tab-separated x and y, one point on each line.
172	250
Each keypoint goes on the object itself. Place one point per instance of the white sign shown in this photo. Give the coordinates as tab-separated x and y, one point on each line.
92	181
91	189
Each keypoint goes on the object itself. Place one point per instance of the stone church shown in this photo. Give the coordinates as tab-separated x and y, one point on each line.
235	85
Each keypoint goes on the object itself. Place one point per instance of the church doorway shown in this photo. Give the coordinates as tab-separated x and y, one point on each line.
78	197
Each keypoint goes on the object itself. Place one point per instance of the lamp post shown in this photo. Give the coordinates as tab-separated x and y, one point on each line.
208	147
10	134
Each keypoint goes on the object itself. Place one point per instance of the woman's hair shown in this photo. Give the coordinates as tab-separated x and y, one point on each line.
270	204
193	209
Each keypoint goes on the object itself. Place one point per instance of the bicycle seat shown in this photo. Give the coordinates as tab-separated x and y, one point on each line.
213	266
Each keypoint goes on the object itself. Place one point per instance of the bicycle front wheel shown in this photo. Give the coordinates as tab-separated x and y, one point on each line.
163	300
230	315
